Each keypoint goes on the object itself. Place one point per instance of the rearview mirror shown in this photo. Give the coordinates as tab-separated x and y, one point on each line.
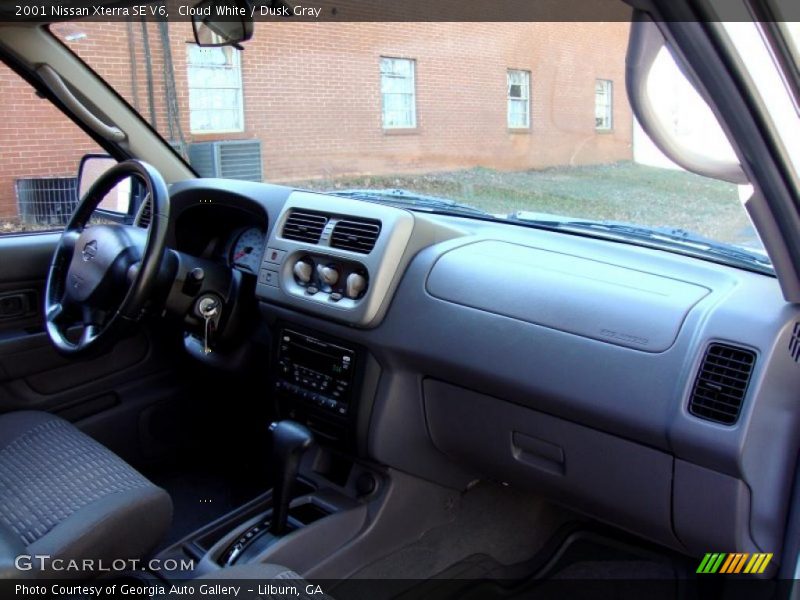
222	22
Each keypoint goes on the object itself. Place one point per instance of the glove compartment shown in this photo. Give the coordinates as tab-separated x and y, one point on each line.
611	479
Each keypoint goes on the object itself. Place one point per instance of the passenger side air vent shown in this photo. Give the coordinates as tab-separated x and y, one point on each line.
357	235
721	383
304	226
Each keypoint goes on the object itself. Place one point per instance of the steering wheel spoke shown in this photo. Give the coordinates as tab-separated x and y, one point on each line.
63	312
55	313
69	240
93	317
89	335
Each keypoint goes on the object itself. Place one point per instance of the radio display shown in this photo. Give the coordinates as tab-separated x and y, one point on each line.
315	371
316	360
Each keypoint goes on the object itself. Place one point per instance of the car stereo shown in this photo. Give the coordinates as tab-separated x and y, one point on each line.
318	373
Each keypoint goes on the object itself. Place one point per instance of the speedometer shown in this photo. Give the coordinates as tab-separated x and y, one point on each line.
247	250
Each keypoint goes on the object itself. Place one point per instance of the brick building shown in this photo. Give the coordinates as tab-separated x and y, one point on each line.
332	99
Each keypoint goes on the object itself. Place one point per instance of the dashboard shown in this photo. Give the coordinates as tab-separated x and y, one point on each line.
638	386
224	229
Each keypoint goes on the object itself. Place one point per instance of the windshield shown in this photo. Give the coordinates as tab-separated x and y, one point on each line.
535	127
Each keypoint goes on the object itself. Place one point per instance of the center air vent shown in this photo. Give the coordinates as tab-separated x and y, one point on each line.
304	226
721	383
357	235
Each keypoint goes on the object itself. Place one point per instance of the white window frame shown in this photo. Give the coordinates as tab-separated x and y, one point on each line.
523	99
606	107
412	81
237	66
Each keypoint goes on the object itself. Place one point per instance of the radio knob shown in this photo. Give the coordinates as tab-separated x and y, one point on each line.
356	284
328	275
302	270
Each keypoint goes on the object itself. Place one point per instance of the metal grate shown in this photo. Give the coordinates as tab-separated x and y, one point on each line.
721	383
46	200
356	235
237	159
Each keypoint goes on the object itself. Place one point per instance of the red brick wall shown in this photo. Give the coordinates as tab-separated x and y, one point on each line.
312	96
35	139
321	113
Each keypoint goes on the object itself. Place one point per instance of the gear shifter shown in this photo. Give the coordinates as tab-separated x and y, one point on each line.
289	441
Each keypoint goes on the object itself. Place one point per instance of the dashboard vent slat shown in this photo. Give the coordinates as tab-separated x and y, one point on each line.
145	214
303	226
721	383
356	235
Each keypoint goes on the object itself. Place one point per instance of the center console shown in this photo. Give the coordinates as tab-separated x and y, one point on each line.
315	508
317	383
335	257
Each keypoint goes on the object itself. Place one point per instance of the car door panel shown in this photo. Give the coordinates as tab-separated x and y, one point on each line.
119	397
34	361
23	268
32	374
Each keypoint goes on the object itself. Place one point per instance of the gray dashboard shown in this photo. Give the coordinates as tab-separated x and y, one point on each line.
562	363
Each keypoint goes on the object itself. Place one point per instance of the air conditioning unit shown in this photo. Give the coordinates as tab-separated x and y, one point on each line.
229	159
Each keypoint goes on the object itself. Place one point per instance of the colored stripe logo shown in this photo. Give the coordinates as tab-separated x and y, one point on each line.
734	563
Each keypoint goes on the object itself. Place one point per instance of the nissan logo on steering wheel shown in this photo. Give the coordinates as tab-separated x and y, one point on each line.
89	251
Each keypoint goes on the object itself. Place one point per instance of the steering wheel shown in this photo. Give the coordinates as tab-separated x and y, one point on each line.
102	276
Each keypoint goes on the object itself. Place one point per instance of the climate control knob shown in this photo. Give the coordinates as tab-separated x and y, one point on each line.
327	274
356	284
302	270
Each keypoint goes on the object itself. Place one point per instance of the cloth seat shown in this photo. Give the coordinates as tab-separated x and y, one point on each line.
66	496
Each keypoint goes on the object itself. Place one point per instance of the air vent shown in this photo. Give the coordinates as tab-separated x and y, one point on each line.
304	226
357	235
721	383
145	214
794	343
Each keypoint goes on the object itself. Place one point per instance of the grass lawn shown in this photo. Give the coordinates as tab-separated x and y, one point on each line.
621	192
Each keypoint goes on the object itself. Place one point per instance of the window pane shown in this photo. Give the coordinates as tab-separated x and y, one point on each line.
603	108
215	89
518	98
397	92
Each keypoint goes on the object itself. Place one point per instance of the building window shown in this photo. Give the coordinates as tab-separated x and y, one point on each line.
603	105
215	90
519	104
399	103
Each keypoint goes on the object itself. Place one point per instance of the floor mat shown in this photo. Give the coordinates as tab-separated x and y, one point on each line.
504	523
576	563
490	526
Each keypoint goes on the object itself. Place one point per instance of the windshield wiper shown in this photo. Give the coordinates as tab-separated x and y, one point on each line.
406	198
676	238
